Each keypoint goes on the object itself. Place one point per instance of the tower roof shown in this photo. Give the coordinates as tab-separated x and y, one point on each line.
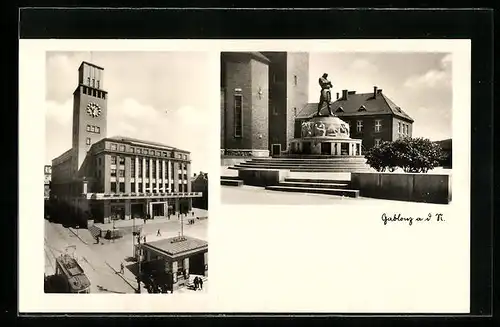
90	64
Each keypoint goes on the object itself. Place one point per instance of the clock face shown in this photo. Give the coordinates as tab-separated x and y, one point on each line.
93	109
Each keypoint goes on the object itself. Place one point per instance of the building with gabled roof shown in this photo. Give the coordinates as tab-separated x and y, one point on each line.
372	117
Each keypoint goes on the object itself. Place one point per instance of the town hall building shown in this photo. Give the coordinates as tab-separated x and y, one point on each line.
104	178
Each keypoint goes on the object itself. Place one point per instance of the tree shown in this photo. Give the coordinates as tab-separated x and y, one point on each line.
411	154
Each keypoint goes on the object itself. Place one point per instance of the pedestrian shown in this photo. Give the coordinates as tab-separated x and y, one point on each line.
144	238
195	281
158	232
122	268
200	281
192	213
97	239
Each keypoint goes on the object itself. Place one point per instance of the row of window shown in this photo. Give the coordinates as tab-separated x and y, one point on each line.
403	129
93	129
359	126
93	82
120	188
121	148
121	173
93	92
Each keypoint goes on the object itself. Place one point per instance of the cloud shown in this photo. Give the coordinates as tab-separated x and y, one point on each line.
363	65
439	77
60	113
184	127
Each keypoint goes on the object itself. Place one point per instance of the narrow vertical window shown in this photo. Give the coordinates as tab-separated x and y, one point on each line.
238	115
88	81
359	126
378	124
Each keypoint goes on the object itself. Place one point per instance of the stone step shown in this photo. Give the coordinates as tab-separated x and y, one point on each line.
230	178
229	182
291	166
332	170
316	180
328	191
314	184
310	170
307	162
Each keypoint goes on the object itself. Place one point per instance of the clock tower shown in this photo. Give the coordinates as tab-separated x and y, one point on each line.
89	111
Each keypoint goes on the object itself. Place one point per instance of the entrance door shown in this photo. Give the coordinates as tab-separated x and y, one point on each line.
197	264
158	210
326	148
276	149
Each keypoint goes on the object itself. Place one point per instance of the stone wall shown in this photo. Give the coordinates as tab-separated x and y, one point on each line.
406	187
262	177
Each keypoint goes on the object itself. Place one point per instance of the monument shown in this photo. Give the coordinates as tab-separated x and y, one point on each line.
325	135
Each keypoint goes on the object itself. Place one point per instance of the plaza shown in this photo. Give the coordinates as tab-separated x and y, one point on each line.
101	261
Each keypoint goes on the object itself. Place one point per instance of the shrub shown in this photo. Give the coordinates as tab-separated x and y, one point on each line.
411	154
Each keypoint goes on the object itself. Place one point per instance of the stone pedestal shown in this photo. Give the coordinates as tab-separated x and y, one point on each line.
325	129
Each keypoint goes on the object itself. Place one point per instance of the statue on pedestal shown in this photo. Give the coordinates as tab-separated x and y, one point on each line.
325	96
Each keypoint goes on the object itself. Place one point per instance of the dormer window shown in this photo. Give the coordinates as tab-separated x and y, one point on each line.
340	109
362	108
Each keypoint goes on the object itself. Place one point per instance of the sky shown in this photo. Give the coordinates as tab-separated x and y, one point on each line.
150	98
419	83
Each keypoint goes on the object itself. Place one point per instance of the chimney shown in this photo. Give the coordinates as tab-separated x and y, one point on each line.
344	94
374	91
337	95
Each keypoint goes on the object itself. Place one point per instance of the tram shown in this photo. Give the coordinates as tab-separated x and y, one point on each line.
75	280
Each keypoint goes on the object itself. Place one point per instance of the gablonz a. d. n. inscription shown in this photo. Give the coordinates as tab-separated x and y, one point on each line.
410	219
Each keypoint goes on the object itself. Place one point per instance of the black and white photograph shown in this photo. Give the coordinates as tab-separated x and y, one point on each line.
311	128
126	182
324	161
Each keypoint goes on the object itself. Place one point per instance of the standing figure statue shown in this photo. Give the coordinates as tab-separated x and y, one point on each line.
325	96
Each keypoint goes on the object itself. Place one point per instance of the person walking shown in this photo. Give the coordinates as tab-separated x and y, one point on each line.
200	281
122	268
195	283
158	232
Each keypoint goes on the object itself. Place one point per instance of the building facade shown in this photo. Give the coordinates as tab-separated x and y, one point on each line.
47	179
261	92
104	178
372	117
199	183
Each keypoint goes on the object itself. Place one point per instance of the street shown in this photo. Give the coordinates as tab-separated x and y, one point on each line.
59	240
101	262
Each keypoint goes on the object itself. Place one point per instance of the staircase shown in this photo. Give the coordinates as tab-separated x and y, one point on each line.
230	181
318	186
317	164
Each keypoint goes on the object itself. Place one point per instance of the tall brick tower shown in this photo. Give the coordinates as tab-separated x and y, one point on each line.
89	111
244	104
288	94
